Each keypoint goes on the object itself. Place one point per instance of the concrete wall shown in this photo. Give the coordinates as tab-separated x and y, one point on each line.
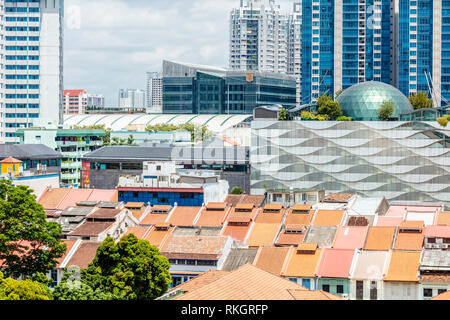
400	291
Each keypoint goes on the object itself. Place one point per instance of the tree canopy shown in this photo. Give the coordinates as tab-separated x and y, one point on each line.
131	269
386	110
11	289
326	106
237	190
198	132
420	100
29	244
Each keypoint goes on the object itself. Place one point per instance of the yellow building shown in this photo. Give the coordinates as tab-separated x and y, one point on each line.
10	165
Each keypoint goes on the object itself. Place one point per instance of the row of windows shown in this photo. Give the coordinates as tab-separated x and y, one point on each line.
22	96
22	48
22	57
22	19
21	38
22	76
22	106
22	67
22	115
21	9
32	29
22	86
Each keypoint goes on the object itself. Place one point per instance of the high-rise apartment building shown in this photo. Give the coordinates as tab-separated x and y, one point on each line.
424	48
258	37
32	64
294	45
344	43
78	101
154	91
132	99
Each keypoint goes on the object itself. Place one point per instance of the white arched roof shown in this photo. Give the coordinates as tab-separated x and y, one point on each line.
118	122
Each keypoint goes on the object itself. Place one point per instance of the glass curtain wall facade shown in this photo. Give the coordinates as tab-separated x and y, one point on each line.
404	161
415	45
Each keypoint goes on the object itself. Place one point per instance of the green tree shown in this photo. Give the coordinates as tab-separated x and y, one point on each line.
443	121
237	190
29	244
327	107
198	132
131	269
338	93
283	115
344	118
11	289
131	141
386	110
420	100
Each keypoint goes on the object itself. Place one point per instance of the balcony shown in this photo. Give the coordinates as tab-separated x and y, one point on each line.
71	165
71	176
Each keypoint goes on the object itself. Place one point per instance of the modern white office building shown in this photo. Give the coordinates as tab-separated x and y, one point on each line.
132	99
31	64
154	92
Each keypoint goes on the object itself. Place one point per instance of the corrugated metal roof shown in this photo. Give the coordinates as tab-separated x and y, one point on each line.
28	151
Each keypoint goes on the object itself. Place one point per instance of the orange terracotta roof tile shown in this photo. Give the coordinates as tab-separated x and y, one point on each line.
73	197
154	218
409	240
437	231
52	198
140	232
350	237
212	218
84	255
443	218
200	281
263	234
289	239
158	237
271	259
246	283
412	224
265	217
299	218
245	206
216	206
102	195
302	207
273	207
327	218
389	221
313	295
184	216
329	265
133	205
380	238
442	296
91	229
190	246
257	201
10	160
403	266
69	246
338	197
303	264
234	199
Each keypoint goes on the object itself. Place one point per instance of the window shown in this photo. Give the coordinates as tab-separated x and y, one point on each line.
373	290
326	287
431	240
428	293
440	291
340	289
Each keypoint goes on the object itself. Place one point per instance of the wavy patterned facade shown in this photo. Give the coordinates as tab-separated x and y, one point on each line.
405	161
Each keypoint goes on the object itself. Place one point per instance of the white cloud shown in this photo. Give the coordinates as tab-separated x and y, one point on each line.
110	44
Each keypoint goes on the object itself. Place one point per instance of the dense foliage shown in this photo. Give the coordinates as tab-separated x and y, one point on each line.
328	108
237	190
420	100
11	289
106	139
131	269
386	110
29	244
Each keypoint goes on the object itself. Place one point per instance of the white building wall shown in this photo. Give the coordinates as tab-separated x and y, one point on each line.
366	289
400	290
39	184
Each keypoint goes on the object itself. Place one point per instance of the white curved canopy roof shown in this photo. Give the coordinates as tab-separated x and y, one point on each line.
118	122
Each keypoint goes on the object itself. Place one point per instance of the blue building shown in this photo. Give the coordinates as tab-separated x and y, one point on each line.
344	43
195	89
187	197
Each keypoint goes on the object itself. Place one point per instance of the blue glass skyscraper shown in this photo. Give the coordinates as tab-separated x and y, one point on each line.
344	43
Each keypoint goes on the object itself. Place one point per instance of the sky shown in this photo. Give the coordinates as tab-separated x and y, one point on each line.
111	44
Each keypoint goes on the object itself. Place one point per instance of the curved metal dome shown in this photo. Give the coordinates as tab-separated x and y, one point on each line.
362	101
